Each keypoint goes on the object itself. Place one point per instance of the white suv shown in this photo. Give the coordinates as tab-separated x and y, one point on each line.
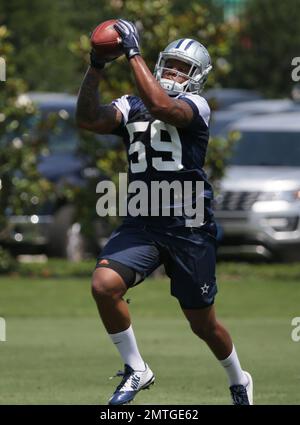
258	207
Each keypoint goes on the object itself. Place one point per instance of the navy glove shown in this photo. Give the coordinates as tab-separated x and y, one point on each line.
130	37
95	61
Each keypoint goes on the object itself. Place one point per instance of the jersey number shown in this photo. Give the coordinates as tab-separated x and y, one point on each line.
157	129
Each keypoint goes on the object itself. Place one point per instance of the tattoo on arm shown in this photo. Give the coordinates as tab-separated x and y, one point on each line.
88	105
90	114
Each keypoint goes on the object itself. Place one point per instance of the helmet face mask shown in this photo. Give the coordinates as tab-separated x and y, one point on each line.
190	52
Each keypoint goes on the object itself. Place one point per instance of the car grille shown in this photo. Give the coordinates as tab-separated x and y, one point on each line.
235	201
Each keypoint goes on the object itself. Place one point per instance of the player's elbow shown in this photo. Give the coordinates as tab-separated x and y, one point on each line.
85	124
99	127
80	122
82	119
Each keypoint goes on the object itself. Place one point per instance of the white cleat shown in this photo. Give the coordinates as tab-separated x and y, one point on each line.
242	395
133	381
249	387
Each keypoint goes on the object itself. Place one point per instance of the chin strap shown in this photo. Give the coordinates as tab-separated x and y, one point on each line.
172	86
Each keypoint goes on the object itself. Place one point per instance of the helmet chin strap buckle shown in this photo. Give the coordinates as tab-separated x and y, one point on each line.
167	84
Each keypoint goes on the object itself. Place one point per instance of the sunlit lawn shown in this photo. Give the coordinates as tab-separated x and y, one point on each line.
58	353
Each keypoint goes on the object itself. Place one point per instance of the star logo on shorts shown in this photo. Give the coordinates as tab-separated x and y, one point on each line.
204	289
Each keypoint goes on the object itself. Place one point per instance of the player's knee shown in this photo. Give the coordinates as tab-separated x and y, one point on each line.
105	284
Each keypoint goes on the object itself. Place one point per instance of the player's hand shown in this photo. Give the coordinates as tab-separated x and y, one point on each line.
96	61
130	37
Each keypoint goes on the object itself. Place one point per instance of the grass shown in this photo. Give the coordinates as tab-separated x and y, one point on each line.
58	353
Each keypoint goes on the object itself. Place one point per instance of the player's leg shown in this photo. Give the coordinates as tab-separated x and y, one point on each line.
108	289
193	262
204	324
109	285
121	265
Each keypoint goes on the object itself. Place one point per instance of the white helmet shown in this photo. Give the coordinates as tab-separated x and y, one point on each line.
188	51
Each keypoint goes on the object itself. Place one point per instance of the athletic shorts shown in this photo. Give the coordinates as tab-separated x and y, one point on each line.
188	254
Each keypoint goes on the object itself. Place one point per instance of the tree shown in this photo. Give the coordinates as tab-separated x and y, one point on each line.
40	35
159	23
267	38
38	49
21	186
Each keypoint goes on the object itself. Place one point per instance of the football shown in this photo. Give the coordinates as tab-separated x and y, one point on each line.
106	40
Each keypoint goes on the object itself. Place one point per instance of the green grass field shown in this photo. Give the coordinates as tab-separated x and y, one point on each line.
58	353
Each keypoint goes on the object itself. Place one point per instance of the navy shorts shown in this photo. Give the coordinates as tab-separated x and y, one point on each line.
188	254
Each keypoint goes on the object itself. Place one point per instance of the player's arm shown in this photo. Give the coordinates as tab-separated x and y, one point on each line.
161	106
90	114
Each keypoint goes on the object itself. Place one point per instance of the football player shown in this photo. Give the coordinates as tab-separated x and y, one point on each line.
165	132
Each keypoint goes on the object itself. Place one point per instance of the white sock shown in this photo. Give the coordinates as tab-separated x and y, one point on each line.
233	369
128	349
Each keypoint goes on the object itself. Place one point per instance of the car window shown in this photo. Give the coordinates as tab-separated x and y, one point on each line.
267	149
220	121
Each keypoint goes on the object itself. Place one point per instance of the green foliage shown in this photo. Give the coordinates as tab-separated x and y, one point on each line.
159	23
49	47
218	153
44	33
266	40
55	268
21	186
7	262
40	36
